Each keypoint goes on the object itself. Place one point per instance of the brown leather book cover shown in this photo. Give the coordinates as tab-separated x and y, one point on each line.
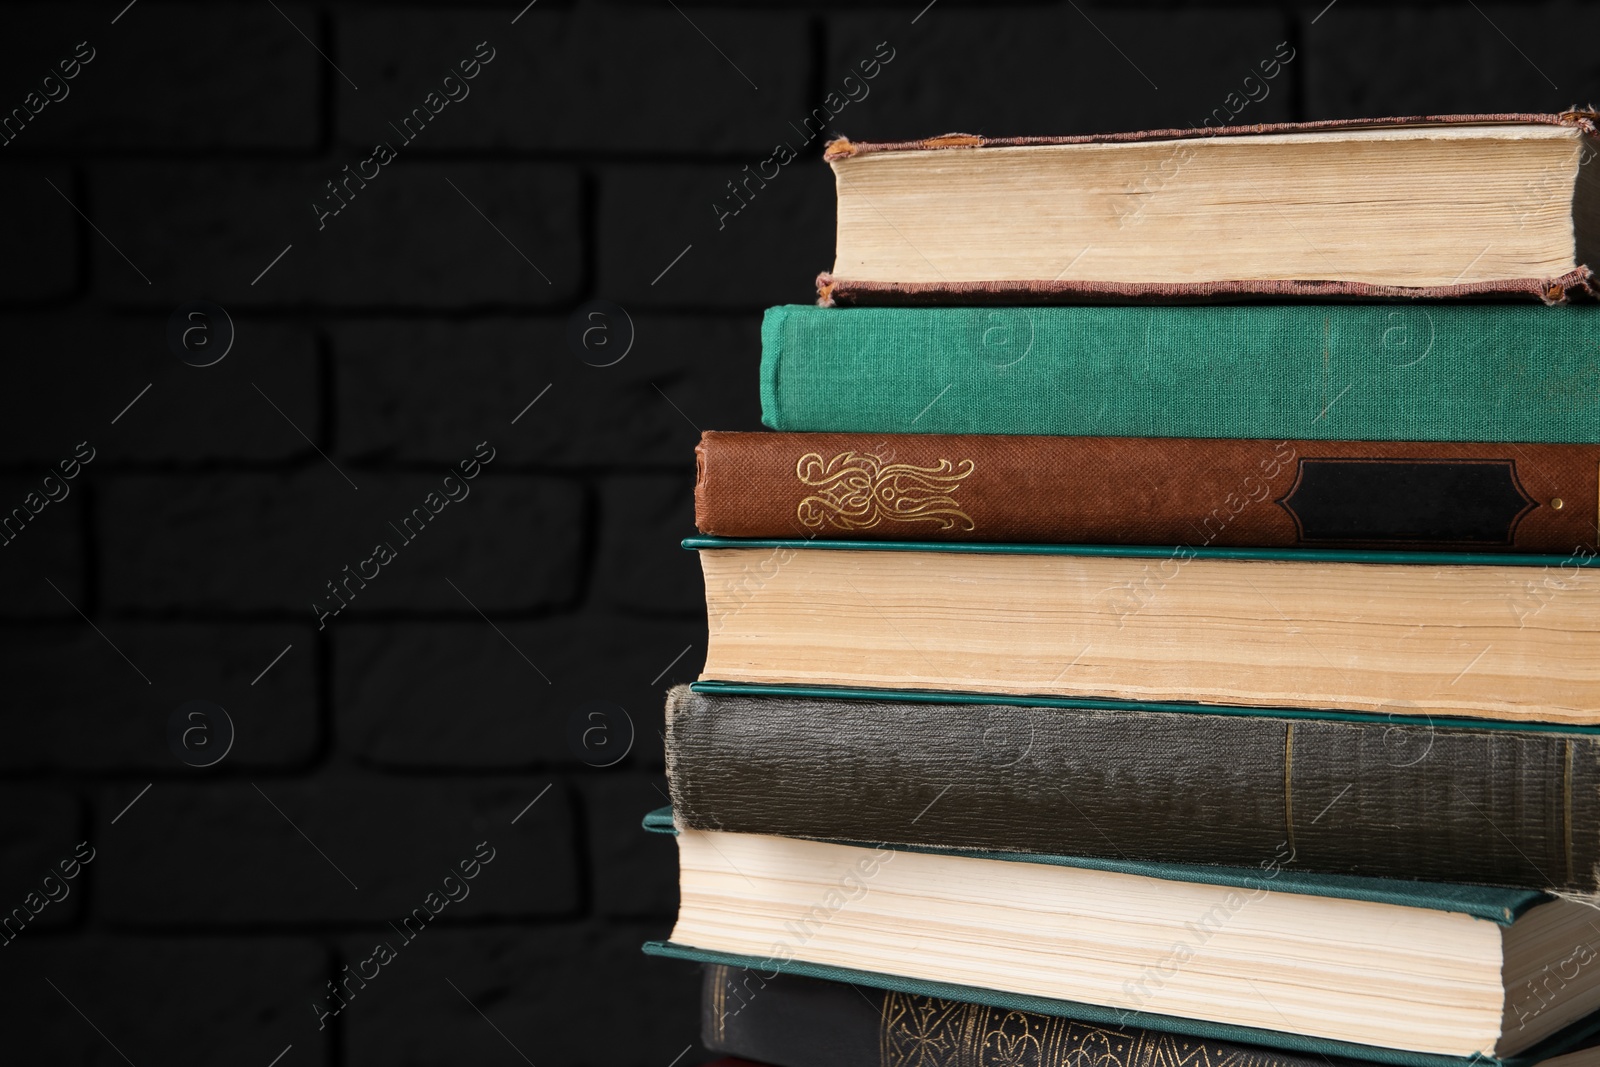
1429	496
1579	283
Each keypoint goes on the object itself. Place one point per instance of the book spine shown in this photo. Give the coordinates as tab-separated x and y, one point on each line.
791	1021
1443	496
1390	799
1355	372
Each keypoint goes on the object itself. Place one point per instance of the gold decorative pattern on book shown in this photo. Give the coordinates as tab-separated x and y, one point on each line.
858	490
918	1031
721	977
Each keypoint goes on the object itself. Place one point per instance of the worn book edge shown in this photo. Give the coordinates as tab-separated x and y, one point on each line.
1580	118
1566	1040
1577	284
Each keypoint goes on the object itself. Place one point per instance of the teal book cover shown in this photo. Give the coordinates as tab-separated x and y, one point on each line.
1410	372
1265	555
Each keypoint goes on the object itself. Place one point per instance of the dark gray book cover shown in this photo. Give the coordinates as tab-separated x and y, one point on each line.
1348	795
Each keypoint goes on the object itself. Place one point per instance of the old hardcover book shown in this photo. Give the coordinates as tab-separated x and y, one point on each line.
1350	372
1496	637
792	1021
1366	968
1432	206
1377	796
1149	491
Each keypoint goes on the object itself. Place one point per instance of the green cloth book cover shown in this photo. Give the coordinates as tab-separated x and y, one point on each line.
1434	372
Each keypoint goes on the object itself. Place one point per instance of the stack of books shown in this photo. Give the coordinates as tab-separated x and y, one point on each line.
1162	629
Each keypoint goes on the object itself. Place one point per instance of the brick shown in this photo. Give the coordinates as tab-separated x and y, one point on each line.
396	840
641	565
40	830
211	1002
258	541
1365	61
168	76
78	705
390	372
769	253
406	240
640	80
44	550
188	415
1036	71
633	874
41	235
461	694
580	995
1059	70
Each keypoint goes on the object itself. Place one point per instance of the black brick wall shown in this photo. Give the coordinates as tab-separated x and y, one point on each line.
372	357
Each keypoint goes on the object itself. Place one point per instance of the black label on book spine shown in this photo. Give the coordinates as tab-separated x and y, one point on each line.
1476	502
